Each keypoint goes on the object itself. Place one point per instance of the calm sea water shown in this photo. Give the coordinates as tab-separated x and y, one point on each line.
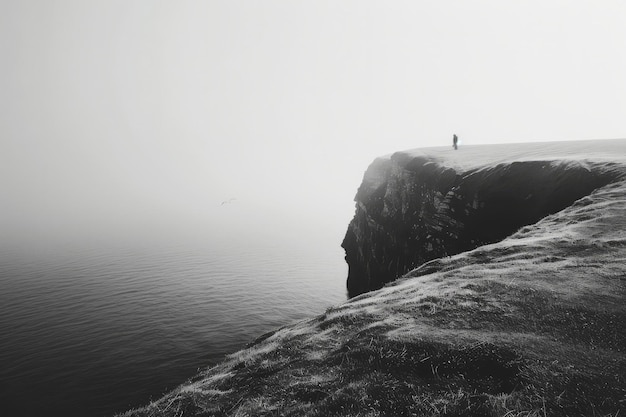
95	331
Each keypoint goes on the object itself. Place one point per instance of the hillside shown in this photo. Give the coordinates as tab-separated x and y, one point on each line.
531	325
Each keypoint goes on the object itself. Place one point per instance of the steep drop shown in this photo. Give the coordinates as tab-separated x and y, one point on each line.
411	209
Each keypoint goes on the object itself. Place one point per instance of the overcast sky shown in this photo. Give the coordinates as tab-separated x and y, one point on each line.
119	111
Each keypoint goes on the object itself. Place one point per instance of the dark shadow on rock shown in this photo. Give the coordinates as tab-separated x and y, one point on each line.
411	210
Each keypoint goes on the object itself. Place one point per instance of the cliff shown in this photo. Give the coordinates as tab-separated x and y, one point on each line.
415	206
531	325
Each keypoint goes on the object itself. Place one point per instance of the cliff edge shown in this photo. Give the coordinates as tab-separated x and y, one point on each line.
419	205
531	325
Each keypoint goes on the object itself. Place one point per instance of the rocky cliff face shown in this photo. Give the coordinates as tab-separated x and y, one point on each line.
412	208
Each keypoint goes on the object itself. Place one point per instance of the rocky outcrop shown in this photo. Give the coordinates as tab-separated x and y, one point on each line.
415	207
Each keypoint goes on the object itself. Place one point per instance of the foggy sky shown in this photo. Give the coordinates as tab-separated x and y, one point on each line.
120	113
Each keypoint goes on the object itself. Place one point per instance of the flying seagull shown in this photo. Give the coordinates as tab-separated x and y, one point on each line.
230	200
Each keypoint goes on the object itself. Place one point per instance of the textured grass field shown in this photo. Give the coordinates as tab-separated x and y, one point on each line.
529	326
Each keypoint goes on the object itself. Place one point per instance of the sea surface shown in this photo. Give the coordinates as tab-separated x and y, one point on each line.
99	329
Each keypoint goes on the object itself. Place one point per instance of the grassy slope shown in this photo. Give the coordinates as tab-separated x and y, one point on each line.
530	326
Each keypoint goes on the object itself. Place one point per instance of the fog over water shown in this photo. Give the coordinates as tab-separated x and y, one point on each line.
93	331
177	154
120	114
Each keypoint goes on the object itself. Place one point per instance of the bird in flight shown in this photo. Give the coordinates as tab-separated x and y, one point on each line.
230	200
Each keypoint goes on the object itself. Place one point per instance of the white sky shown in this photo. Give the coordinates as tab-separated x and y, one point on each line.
116	111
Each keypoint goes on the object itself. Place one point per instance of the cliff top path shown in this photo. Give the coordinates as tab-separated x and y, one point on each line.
532	325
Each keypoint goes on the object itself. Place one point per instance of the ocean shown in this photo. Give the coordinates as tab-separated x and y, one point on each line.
99	329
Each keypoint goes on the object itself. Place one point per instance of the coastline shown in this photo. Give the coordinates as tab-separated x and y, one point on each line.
529	325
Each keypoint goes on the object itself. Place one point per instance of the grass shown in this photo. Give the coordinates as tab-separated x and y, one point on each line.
532	326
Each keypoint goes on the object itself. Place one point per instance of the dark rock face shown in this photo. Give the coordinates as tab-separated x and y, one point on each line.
412	209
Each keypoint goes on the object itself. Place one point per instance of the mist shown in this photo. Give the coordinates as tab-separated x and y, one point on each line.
246	118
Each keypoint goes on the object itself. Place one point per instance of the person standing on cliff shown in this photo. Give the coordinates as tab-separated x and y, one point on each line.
455	140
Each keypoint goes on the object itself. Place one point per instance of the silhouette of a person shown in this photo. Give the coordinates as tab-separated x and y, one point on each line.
455	140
